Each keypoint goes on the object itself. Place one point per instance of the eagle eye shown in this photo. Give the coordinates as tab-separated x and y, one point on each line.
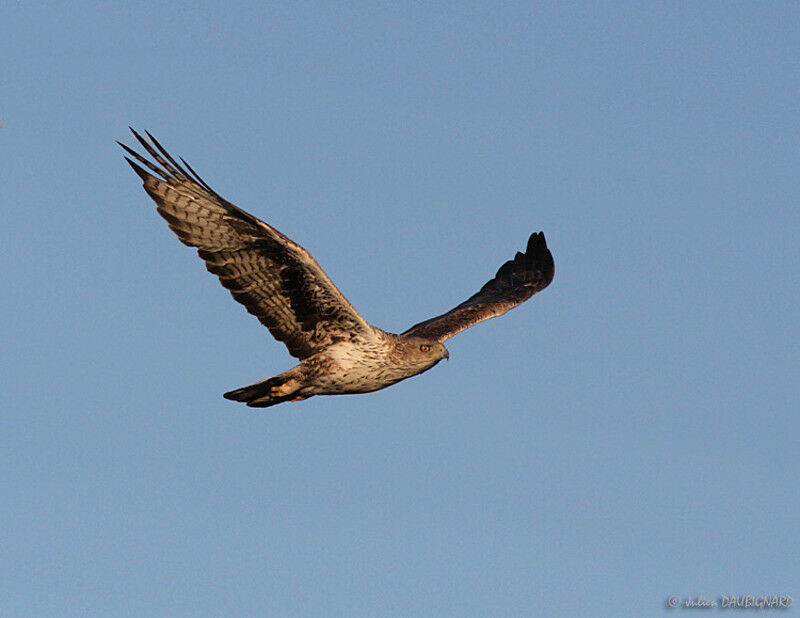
424	348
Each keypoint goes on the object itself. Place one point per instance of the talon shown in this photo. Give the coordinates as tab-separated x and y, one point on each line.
287	388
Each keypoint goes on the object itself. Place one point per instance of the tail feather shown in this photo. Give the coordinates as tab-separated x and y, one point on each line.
259	395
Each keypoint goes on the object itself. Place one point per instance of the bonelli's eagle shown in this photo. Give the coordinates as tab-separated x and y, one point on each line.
283	286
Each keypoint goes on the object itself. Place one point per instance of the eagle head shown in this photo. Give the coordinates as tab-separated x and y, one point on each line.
422	353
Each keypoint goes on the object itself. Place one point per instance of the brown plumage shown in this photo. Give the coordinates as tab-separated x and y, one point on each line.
281	284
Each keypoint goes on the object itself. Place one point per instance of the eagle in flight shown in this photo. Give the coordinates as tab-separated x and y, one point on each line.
281	284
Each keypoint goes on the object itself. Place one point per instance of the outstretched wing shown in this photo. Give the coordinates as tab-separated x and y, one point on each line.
276	279
515	282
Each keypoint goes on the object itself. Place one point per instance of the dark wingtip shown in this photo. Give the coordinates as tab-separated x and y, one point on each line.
139	171
536	243
542	255
129	150
505	272
140	139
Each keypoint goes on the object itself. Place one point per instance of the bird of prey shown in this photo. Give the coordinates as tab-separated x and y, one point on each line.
281	284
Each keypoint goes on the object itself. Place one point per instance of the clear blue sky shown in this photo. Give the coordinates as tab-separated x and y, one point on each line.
630	433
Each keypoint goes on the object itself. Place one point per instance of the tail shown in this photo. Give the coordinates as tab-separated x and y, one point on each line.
268	392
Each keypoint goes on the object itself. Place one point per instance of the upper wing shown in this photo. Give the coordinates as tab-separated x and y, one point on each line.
276	279
515	282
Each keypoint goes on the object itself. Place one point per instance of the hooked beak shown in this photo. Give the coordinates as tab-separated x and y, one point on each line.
446	354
